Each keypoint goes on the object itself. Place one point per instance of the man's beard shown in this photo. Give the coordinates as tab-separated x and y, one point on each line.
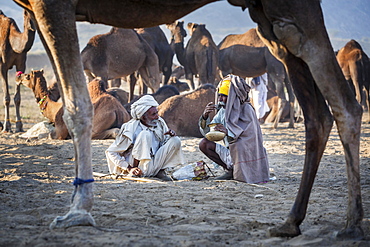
153	123
220	105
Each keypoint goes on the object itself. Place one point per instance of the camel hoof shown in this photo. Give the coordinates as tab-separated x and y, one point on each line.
73	219
354	233
285	230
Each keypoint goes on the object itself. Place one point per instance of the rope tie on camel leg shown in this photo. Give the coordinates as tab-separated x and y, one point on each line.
80	181
77	182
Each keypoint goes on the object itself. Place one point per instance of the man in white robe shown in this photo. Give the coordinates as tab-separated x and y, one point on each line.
144	146
259	95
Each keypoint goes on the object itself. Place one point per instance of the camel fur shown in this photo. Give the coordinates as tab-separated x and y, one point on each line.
182	112
14	46
294	32
200	56
355	65
119	53
109	114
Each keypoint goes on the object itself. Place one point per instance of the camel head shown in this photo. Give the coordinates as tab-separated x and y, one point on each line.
29	80
194	26
177	31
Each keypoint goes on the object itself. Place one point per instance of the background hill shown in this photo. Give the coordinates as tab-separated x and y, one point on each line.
344	20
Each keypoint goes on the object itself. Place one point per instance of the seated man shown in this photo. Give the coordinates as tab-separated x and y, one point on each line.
243	157
144	145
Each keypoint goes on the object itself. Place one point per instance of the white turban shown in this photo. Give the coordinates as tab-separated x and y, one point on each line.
139	107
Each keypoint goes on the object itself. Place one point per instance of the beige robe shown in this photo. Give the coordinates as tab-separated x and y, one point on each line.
247	151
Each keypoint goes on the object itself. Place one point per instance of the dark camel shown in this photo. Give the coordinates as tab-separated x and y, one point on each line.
294	31
246	55
200	56
109	114
14	46
355	65
159	43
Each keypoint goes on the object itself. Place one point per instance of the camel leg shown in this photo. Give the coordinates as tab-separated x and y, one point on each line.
77	104
297	38
131	80
17	104
4	79
318	126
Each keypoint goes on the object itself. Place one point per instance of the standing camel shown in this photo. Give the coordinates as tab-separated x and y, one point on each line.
159	43
14	46
355	65
119	53
200	56
246	55
294	31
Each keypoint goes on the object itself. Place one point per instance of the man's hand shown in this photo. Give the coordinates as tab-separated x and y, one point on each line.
136	171
221	128
209	108
170	132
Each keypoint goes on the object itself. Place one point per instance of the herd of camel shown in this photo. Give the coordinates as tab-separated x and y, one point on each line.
293	32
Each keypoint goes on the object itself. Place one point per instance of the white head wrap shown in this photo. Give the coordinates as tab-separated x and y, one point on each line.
139	107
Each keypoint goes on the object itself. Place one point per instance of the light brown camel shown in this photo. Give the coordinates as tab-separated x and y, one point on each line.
355	65
14	46
159	43
109	114
294	32
246	55
119	53
182	112
200	56
160	95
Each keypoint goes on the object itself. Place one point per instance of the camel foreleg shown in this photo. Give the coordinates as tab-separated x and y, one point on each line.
78	110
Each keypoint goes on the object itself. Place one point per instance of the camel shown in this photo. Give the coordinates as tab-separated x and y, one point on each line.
200	56
119	53
295	33
182	112
246	55
355	65
109	114
14	46
159	43
160	95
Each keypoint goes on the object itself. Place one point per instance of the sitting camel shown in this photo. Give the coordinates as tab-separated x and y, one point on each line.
294	31
109	114
182	112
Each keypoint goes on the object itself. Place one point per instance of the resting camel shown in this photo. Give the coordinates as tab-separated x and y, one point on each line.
246	55
295	33
14	46
355	65
109	114
119	53
182	112
200	56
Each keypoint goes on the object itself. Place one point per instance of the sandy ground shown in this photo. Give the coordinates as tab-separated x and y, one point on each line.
36	186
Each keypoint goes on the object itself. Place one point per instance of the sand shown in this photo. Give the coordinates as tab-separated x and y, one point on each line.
36	186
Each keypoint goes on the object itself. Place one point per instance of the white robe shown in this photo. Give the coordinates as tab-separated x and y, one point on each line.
259	96
149	145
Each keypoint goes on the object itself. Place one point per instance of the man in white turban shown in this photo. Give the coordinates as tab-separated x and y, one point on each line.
144	146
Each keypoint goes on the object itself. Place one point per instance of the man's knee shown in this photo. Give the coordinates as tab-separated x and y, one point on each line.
204	145
175	141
